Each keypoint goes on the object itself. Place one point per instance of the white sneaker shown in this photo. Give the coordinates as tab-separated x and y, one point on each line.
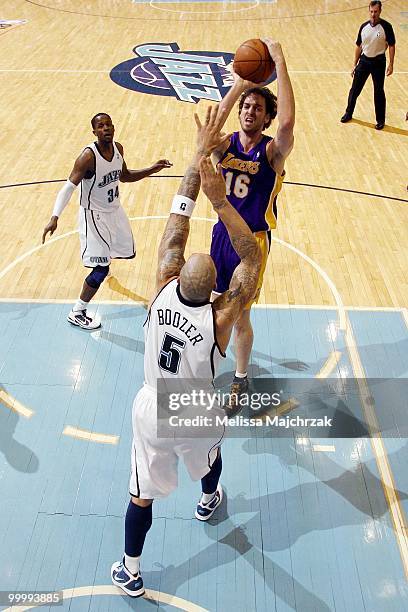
122	578
81	319
205	511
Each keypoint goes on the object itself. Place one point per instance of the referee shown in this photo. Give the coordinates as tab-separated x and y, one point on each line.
374	36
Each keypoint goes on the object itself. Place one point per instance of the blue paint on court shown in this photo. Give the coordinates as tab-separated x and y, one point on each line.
299	529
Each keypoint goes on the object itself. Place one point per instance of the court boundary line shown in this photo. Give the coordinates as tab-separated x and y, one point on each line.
263	18
10	402
396	510
105	589
90	436
194	12
266	305
109	70
367	404
177	176
319	270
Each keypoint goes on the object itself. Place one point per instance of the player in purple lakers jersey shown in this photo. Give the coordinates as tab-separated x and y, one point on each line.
253	167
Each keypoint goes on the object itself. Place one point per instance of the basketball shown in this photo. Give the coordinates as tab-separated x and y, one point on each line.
253	62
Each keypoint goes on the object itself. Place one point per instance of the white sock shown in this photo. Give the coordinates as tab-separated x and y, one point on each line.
206	497
132	564
240	374
80	305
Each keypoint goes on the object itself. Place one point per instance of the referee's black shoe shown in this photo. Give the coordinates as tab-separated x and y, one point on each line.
380	125
346	118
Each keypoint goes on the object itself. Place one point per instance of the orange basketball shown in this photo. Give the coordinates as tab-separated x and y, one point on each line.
253	62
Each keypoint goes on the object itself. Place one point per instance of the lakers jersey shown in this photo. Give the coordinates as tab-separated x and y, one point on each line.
101	191
180	339
252	184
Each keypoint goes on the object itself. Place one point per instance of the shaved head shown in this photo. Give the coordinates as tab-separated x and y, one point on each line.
197	278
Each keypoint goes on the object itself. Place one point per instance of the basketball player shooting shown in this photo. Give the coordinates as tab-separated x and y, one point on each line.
185	337
253	168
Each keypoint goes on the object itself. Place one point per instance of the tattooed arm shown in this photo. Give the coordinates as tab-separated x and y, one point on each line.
173	242
229	305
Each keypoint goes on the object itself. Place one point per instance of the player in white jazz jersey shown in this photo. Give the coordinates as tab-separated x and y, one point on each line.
104	228
185	335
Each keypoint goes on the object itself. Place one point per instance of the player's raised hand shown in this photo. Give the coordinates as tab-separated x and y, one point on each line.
50	228
243	84
212	182
160	164
274	48
209	136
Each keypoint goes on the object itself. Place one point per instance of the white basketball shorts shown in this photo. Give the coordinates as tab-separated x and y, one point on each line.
155	460
104	236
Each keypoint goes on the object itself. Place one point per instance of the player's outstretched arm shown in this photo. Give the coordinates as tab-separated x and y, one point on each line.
230	304
83	165
282	144
174	239
173	242
131	176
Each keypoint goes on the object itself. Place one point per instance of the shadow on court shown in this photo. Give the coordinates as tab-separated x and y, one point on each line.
359	487
19	309
17	455
260	535
235	542
387	128
116	286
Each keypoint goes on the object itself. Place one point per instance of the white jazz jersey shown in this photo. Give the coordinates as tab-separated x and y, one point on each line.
101	191
179	345
180	339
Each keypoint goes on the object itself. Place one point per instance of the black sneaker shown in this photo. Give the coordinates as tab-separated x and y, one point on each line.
346	118
379	126
238	393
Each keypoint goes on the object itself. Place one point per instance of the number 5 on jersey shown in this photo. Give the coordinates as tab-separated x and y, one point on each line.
170	355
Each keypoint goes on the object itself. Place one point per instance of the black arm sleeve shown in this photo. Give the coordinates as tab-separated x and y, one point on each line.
389	33
358	41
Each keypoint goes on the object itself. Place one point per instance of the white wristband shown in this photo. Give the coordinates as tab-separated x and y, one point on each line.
182	205
63	197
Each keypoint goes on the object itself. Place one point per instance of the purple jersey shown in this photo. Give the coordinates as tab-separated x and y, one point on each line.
252	187
251	182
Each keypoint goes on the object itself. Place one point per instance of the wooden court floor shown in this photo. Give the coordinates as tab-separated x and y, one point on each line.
341	245
54	73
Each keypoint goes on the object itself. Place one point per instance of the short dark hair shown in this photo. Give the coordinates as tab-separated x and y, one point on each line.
270	102
93	120
376	3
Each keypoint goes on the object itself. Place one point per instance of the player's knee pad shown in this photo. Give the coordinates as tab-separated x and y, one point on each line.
97	276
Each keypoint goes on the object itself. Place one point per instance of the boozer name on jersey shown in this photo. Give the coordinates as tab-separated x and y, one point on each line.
180	322
179	338
101	191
